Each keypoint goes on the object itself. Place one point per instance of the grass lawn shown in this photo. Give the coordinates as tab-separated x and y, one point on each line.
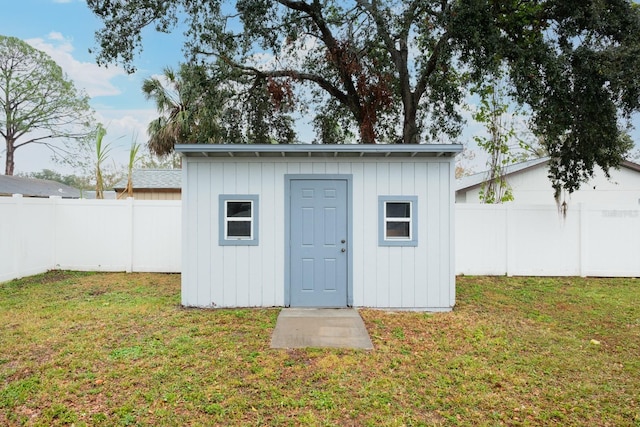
117	349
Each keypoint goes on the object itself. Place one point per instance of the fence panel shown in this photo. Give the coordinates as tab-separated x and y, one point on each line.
612	241
542	242
481	240
37	235
8	238
157	232
93	235
26	236
36	226
535	240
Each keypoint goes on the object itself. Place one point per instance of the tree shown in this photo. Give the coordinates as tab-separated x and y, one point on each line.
101	152
75	181
504	143
148	160
573	63
38	104
179	105
195	107
133	158
463	163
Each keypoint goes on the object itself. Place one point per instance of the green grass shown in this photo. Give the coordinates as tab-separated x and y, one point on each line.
117	349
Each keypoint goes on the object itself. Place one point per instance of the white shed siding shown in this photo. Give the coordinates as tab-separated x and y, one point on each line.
382	276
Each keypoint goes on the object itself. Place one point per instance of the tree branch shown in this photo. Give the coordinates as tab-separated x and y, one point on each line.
330	42
40	140
421	86
296	75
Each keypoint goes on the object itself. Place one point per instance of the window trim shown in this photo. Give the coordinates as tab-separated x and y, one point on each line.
412	220
223	199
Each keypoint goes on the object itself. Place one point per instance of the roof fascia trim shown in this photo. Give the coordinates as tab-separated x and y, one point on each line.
310	149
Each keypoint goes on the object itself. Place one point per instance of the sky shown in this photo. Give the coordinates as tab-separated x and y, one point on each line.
65	29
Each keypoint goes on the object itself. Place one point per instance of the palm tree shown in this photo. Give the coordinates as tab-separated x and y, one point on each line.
196	107
102	152
177	101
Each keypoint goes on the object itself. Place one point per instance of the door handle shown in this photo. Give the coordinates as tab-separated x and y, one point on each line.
343	241
343	250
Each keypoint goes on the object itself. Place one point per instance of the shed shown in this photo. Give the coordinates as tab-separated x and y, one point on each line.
318	226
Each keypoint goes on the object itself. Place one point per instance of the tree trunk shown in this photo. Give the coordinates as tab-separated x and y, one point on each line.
10	163
364	121
367	131
409	125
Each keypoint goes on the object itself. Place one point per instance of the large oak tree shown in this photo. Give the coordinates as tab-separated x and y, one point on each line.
399	69
38	103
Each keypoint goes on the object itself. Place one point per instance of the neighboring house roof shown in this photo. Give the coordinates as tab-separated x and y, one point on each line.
91	194
153	179
30	187
631	165
477	179
471	181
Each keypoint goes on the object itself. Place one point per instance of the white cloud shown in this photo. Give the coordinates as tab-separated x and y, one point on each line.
123	128
54	35
95	80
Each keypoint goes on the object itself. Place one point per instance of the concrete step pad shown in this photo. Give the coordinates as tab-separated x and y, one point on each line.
320	327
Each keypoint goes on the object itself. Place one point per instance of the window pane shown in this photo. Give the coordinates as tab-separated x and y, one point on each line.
398	210
238	209
398	229
239	229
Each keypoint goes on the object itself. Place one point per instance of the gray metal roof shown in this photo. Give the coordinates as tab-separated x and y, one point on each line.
153	179
30	187
319	150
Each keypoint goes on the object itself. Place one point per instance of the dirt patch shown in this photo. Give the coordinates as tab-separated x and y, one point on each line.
50	276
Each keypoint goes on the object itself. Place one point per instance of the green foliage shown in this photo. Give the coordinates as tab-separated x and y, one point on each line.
39	104
504	144
573	64
196	106
328	130
75	181
178	105
149	161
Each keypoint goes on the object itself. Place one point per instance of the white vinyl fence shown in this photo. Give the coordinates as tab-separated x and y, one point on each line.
535	240
37	235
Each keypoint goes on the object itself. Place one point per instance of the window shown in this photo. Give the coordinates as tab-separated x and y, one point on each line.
238	219
398	218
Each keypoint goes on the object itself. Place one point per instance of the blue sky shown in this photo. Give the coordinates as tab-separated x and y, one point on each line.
65	29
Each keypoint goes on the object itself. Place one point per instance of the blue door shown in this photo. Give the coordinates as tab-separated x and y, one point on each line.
318	239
